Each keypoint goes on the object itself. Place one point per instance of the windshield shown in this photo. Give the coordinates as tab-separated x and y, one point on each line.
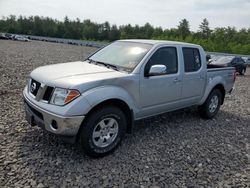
223	60
122	54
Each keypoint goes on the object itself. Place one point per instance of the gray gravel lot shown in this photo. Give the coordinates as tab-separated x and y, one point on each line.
177	149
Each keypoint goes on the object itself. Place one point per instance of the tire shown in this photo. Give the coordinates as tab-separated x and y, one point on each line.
102	131
242	72
212	104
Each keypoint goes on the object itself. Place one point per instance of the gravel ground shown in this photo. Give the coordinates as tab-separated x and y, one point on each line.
177	149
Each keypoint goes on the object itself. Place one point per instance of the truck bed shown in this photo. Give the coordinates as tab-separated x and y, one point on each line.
225	74
211	66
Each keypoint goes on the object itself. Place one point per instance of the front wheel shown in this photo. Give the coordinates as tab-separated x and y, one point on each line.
212	105
102	131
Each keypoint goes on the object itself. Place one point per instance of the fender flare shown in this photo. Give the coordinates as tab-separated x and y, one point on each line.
211	84
112	93
98	95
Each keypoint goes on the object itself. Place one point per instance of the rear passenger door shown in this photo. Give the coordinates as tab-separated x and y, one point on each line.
193	77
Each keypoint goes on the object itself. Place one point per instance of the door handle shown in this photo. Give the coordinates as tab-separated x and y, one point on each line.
202	77
176	80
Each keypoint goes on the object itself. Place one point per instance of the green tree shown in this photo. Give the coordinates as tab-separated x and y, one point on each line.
183	28
147	31
204	29
90	30
157	32
104	30
127	31
221	39
114	33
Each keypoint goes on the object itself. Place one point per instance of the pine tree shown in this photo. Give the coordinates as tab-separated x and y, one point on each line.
204	29
183	28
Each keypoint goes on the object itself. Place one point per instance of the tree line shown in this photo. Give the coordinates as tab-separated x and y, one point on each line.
221	39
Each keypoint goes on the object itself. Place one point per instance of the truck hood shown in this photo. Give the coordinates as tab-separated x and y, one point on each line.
70	75
62	70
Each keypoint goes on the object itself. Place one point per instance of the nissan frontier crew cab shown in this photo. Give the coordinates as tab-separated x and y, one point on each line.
95	102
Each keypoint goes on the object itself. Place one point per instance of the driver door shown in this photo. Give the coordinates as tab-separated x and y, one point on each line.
161	93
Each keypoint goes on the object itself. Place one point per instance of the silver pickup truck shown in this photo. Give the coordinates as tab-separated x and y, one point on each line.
95	102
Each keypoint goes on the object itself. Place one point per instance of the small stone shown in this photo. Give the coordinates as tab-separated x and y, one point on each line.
200	165
237	175
10	153
104	177
8	162
11	173
248	156
40	185
32	183
58	161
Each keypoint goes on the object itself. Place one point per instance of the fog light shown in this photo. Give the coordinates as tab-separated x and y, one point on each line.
54	125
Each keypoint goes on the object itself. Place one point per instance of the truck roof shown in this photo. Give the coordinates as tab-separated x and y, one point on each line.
154	42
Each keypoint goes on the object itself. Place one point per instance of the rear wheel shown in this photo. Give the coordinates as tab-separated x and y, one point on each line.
212	105
102	131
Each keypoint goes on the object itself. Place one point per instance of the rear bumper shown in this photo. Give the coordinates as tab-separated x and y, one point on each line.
53	123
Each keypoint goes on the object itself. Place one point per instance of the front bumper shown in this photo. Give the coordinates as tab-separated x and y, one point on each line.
53	123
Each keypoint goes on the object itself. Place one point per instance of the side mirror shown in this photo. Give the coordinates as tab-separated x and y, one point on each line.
157	70
208	57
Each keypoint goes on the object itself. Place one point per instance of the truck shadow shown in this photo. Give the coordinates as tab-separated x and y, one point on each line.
171	121
38	138
161	135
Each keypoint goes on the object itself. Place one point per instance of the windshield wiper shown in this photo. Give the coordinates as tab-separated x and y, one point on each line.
104	64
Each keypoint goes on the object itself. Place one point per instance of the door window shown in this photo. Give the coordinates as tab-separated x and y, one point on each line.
192	59
164	56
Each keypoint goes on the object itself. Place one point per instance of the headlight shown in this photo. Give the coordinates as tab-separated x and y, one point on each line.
63	96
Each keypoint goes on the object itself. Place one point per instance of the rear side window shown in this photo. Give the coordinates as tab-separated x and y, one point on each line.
241	61
237	61
164	56
192	59
234	61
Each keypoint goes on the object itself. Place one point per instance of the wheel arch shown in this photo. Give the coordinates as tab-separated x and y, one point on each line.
216	83
128	112
222	90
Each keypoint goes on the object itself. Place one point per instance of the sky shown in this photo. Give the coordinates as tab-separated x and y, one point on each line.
164	13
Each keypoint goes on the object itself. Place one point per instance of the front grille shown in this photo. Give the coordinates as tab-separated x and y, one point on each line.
34	87
39	91
48	93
